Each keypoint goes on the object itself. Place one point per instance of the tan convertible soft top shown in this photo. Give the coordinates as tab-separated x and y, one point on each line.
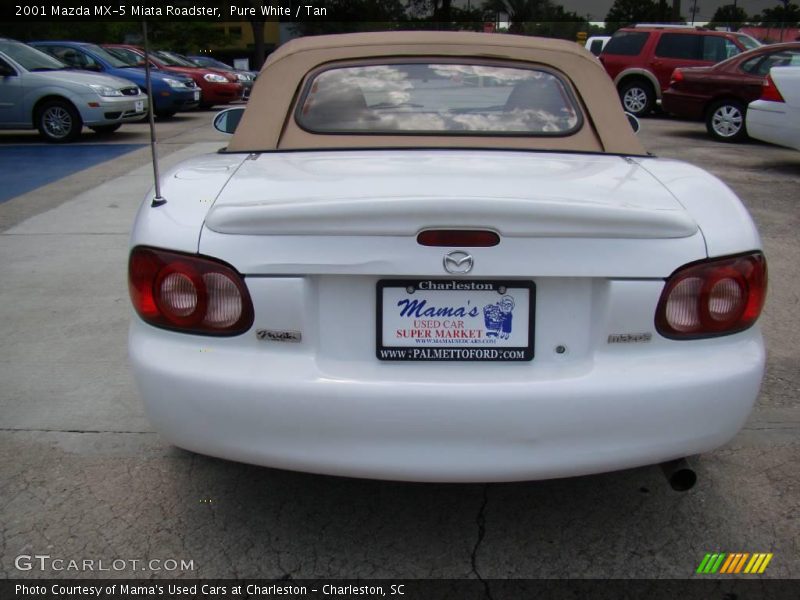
269	124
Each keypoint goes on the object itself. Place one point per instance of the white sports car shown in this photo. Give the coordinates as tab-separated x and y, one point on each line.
441	256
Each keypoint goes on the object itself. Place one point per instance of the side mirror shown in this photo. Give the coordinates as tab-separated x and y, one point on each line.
635	125
228	120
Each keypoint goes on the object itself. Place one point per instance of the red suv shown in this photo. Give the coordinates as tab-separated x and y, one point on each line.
640	59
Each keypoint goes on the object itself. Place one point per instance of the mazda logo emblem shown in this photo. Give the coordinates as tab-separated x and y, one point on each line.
458	262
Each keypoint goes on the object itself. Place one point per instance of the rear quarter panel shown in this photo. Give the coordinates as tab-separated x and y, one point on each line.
726	224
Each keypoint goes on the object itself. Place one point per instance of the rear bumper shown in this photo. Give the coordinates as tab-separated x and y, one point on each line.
466	422
685	106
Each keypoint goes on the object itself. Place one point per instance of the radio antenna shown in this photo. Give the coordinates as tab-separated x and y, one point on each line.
158	200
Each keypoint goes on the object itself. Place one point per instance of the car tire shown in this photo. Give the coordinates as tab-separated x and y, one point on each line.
58	121
725	121
637	97
106	129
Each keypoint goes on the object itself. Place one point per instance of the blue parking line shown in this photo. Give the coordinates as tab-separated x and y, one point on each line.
24	168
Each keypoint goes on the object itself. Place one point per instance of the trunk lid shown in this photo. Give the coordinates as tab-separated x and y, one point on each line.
359	212
389	193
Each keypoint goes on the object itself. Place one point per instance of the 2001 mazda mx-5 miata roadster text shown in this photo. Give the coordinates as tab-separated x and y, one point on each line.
441	256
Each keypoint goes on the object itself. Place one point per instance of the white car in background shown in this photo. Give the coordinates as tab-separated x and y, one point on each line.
596	43
444	256
775	117
40	92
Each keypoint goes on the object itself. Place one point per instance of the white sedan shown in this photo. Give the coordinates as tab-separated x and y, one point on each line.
438	256
775	117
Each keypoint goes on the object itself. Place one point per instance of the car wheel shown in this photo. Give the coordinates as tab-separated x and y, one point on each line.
106	129
58	121
725	121
637	97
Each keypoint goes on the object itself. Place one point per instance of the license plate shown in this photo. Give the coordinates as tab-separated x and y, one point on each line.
197	94
138	106
455	320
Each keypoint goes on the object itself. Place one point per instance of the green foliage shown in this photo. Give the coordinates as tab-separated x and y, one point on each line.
537	17
89	31
628	12
787	14
729	16
558	23
181	36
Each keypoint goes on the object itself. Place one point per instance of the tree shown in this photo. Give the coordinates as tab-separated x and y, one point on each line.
89	31
537	17
182	36
432	14
519	12
729	15
786	15
558	23
628	12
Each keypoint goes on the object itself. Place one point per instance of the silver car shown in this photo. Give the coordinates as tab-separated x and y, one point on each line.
40	92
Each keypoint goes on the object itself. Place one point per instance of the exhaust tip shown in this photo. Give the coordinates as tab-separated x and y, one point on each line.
680	475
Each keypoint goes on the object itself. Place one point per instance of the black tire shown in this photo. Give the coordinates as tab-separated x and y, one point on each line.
58	121
725	121
105	129
637	97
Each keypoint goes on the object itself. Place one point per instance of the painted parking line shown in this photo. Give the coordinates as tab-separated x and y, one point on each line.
24	168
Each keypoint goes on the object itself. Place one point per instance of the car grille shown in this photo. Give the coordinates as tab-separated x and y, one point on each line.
130	91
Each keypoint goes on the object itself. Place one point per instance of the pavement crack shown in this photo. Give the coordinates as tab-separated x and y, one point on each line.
480	520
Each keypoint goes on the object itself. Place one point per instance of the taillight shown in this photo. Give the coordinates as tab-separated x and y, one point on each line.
188	293
714	297
677	77
770	92
458	237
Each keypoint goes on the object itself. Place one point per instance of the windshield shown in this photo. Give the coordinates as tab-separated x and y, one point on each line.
129	57
748	42
105	55
173	60
206	61
30	58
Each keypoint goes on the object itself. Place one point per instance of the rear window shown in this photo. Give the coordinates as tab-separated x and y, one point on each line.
680	45
760	65
438	98
626	43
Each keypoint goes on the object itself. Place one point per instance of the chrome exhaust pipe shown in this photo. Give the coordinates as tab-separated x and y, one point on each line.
679	474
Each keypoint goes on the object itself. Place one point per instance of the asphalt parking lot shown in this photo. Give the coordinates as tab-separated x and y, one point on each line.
83	476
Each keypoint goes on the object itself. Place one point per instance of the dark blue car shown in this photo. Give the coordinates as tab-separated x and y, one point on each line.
171	91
